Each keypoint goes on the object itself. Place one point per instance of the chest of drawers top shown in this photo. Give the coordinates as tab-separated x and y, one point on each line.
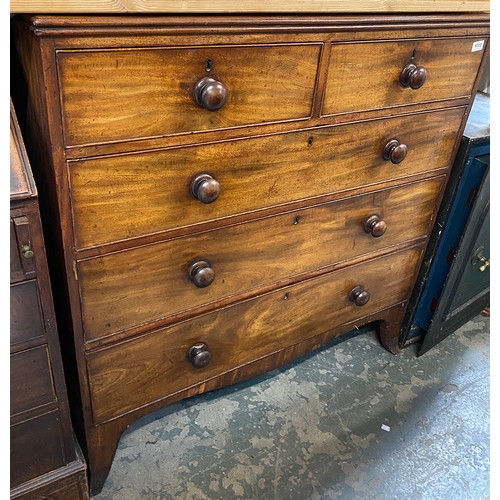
271	7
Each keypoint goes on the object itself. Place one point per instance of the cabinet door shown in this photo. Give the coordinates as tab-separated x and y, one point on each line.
467	288
476	273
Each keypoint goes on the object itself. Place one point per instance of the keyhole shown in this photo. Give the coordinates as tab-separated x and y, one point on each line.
414	53
208	65
310	142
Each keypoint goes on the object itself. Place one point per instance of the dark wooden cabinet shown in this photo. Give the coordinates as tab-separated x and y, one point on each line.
227	193
45	461
454	281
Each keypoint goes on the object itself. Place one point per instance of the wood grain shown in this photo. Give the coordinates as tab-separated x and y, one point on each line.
126	94
122	197
142	285
25	297
64	483
364	76
35	448
140	371
271	6
103	438
22	184
31	383
41	435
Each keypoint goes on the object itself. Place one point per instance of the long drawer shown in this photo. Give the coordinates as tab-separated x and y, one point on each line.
366	75
116	95
121	197
134	373
137	286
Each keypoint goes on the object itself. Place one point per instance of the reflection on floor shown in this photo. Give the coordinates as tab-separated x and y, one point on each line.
350	421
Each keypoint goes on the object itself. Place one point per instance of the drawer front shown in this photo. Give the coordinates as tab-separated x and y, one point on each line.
137	372
365	76
36	448
133	287
117	198
31	384
26	317
117	95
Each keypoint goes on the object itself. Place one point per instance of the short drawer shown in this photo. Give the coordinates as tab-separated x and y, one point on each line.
117	95
126	289
26	316
122	197
36	447
31	383
366	75
22	256
134	373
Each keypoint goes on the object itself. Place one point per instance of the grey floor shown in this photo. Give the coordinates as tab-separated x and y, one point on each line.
350	421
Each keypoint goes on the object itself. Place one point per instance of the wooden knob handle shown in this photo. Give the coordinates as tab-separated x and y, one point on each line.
395	151
210	94
201	273
199	355
375	225
205	188
413	76
359	295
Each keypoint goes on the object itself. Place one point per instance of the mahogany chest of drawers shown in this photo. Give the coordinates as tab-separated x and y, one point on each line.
230	192
44	461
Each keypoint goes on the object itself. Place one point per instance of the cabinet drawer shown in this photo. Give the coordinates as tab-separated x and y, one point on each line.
31	383
139	371
35	448
133	287
117	95
365	76
121	197
26	317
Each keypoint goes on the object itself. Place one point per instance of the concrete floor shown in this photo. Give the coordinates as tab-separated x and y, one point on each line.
315	430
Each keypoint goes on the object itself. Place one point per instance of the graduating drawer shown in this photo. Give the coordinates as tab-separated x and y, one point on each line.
117	95
130	288
121	197
371	75
134	373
